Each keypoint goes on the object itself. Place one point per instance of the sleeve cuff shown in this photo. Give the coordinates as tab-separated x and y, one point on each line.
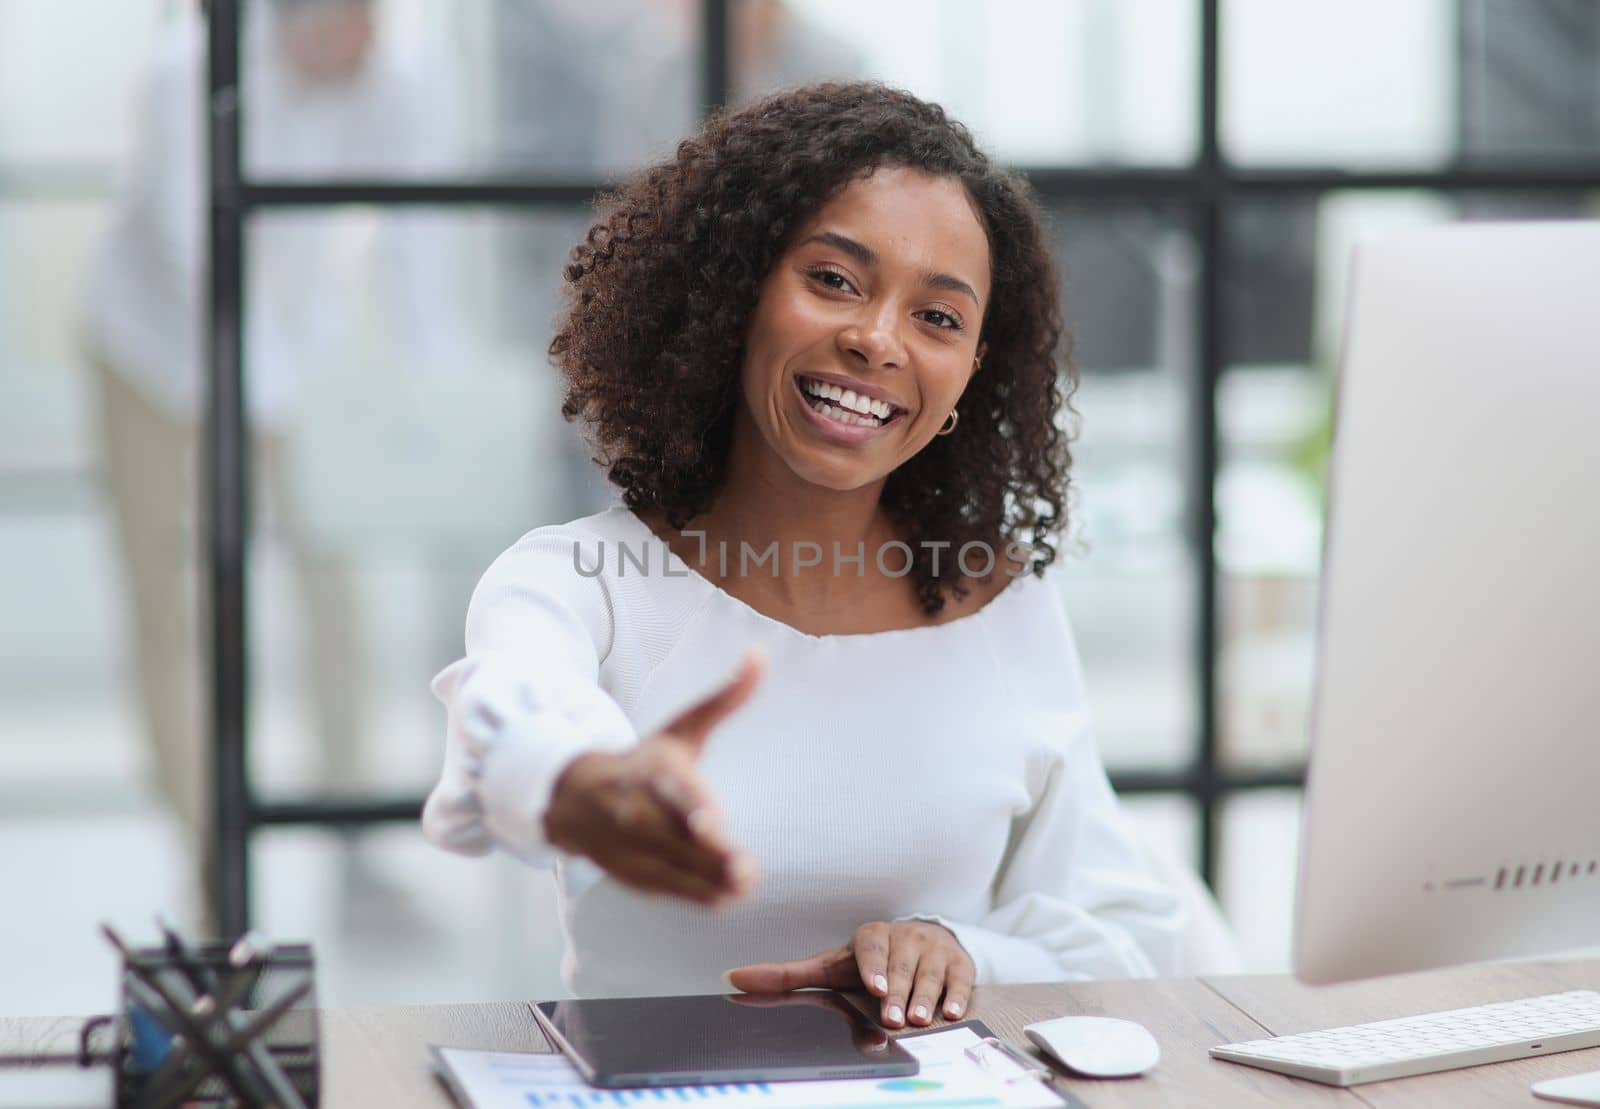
997	957
509	754
517	772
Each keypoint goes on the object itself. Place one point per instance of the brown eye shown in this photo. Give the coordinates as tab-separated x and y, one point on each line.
832	279
942	319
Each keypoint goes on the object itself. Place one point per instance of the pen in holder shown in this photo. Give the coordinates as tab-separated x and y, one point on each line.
217	1024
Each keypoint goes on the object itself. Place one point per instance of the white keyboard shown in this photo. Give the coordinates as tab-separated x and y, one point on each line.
1429	1042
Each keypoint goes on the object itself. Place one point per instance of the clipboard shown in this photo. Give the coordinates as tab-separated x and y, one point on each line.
997	1048
949	1075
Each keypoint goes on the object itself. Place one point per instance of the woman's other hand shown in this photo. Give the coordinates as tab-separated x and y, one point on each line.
909	964
645	816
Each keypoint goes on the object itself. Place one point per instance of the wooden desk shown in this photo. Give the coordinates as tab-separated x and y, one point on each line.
378	1057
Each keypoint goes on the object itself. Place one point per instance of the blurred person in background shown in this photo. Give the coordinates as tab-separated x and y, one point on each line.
647	95
322	99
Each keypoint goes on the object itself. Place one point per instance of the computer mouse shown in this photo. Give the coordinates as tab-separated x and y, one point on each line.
1097	1047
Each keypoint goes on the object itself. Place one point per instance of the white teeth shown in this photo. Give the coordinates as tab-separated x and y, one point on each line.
859	402
833	412
849	407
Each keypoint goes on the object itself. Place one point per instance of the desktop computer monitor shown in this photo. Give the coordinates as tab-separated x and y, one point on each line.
1453	796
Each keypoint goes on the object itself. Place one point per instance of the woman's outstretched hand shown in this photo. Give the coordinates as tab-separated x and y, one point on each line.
908	964
645	816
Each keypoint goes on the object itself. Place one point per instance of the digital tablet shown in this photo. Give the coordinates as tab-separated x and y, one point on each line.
713	1039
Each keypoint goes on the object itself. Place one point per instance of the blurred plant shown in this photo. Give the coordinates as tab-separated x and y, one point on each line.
1310	453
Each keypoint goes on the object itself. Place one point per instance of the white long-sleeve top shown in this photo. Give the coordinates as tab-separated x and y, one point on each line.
945	773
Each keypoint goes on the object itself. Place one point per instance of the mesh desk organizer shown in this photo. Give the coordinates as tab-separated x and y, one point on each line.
207	1024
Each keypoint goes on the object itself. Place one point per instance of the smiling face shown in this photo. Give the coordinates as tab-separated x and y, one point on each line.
881	295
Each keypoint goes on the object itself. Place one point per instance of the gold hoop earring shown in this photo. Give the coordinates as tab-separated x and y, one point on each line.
950	423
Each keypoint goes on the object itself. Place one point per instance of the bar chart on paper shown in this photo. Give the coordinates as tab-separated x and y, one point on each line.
948	1079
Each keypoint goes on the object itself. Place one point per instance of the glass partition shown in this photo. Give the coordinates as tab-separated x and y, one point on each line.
1129	284
1106	82
407	430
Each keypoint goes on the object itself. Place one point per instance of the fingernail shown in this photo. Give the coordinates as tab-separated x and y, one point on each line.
920	1012
880	983
742	869
953	1009
727	978
895	1015
702	821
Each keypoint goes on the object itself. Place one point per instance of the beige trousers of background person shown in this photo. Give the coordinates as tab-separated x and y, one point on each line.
151	462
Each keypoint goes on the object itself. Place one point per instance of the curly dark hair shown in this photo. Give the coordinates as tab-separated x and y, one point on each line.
661	291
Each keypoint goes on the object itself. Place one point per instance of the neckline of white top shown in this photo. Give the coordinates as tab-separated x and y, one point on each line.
970	619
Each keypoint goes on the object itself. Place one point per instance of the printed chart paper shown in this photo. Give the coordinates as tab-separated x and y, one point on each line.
948	1079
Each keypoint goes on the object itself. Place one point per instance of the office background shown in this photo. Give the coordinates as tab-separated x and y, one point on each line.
1207	165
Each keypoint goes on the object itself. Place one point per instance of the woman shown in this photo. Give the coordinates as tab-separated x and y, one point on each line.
817	353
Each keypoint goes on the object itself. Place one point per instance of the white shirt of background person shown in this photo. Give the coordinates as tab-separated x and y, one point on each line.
314	106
